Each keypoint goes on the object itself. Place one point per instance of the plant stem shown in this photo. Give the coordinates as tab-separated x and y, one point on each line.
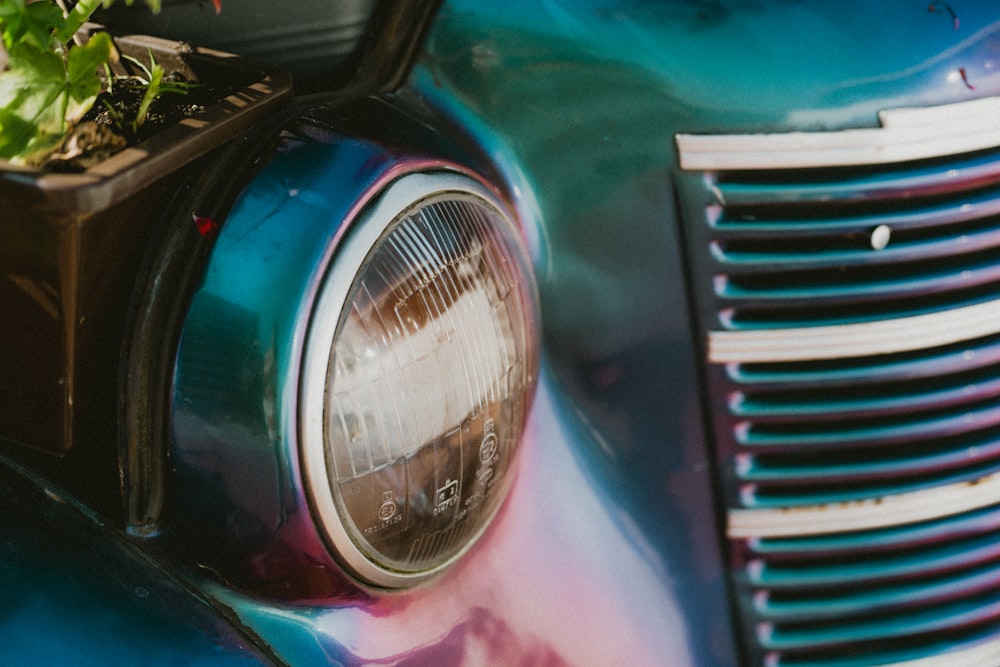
149	96
81	14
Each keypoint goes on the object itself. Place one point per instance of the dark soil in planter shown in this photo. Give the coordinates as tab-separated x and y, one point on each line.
108	127
124	100
71	245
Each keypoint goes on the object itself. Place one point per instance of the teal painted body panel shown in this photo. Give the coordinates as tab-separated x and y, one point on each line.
708	66
581	103
612	548
539	587
75	592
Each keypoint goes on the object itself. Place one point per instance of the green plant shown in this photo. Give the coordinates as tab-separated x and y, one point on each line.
154	85
50	81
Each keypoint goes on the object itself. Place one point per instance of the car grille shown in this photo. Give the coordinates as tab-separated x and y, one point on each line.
851	322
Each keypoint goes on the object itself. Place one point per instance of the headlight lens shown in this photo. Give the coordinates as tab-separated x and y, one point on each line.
419	371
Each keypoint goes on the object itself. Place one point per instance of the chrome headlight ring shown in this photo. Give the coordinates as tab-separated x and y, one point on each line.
417	376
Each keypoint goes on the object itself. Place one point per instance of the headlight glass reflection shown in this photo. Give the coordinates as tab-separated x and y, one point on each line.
427	378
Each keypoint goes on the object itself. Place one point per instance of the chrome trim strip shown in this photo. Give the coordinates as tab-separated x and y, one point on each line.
398	199
905	134
881	512
863	339
981	655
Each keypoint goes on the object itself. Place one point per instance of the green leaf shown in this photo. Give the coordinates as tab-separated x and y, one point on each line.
10	8
42	96
83	81
16	135
47	87
33	23
31	93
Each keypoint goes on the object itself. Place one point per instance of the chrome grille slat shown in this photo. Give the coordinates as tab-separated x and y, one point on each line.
780	253
852	327
823	574
781	222
973	356
761	469
872	543
943	178
790	405
802	608
808	434
971	649
846	490
902	135
949	617
823	288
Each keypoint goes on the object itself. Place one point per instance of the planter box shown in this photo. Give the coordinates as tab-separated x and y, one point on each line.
317	40
69	245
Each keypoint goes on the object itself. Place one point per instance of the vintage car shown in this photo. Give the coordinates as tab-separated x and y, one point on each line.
542	332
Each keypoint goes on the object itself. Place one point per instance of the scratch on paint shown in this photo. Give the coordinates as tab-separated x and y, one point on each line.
965	78
944	8
206	226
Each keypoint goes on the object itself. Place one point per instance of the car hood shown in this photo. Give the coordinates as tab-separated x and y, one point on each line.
753	66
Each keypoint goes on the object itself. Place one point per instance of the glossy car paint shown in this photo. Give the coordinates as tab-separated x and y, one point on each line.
604	584
538	587
580	104
609	549
76	593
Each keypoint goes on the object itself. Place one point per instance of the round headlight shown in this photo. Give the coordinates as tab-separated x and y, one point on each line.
420	366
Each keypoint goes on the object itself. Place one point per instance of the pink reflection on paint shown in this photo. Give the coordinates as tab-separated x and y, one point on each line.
481	639
537	590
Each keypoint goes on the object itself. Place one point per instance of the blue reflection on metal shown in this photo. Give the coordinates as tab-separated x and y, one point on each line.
75	592
234	440
556	553
562	577
610	547
579	102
